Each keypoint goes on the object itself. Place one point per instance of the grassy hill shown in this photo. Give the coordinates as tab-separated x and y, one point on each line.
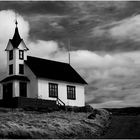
32	124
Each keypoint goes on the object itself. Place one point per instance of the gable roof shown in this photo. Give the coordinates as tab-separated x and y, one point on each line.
53	70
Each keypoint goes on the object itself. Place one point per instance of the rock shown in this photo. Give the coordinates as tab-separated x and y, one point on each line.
93	114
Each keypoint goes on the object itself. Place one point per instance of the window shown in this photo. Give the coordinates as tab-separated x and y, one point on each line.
10	54
21	69
11	69
53	90
71	94
21	54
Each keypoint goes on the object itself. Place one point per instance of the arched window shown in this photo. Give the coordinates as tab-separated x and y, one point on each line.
21	54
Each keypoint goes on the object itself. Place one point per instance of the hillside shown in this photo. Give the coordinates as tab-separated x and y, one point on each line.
31	124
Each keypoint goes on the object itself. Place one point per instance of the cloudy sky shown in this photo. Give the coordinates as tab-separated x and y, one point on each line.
104	39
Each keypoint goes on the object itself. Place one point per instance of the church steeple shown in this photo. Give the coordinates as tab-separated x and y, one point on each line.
16	54
16	38
16	42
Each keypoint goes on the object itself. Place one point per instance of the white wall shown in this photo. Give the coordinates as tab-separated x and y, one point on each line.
43	92
16	89
32	87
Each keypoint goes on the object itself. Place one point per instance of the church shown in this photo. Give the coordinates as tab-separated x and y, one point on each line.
29	77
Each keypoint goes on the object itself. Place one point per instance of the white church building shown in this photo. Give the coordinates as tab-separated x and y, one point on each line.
32	77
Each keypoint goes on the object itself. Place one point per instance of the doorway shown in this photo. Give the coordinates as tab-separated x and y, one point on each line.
7	91
23	89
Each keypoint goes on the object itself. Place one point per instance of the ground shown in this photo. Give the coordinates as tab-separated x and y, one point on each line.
60	124
123	127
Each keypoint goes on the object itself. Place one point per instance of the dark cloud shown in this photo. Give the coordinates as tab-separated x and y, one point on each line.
34	7
75	20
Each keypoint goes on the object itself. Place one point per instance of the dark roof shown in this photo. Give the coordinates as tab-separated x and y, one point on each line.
53	70
16	38
15	77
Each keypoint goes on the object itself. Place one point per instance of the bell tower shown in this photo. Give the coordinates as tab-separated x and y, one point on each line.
16	54
16	83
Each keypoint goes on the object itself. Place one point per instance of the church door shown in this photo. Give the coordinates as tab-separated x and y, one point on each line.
7	91
23	89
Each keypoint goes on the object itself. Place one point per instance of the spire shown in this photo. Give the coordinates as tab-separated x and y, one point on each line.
16	38
16	23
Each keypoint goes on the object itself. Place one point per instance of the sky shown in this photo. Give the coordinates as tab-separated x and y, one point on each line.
104	38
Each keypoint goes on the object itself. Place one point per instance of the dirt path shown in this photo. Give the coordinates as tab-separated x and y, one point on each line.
123	127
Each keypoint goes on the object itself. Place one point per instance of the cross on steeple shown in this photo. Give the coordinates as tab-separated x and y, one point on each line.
16	23
16	19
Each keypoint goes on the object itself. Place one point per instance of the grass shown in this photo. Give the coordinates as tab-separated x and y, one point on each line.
29	124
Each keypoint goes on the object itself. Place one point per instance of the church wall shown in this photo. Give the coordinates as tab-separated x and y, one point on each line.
43	92
16	89
32	88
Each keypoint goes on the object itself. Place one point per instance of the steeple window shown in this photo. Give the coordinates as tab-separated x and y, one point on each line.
21	54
